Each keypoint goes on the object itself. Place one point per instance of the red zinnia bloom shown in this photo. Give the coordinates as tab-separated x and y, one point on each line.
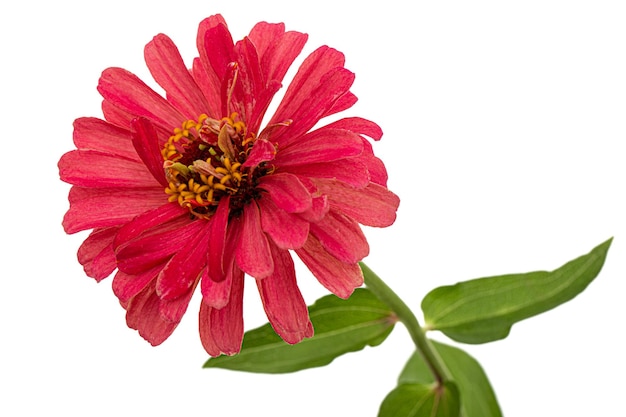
238	198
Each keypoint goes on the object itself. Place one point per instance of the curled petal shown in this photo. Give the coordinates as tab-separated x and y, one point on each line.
358	125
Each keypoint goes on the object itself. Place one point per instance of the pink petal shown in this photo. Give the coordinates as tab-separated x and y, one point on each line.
126	91
96	253
209	84
143	314
348	170
375	167
253	251
87	168
126	286
341	236
248	97
338	277
306	80
92	208
319	102
183	270
217	241
95	134
221	330
215	45
148	147
277	49
319	146
216	293
174	310
288	231
116	116
358	125
203	72
373	205
156	217
156	246
282	301
262	151
169	70
343	102
287	192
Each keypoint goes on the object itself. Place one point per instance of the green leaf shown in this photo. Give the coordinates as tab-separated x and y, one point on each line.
476	393
341	326
421	400
484	309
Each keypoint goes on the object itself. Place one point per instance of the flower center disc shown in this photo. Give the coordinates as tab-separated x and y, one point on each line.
203	162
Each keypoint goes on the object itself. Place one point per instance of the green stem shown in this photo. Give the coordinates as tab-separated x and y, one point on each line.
406	316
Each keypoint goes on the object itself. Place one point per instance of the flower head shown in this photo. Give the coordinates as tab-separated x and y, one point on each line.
191	190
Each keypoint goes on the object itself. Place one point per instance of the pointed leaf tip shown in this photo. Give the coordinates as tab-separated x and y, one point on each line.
484	309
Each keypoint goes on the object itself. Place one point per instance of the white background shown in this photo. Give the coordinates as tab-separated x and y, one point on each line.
504	124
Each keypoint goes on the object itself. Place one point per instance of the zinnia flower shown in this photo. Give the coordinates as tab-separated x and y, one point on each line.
190	190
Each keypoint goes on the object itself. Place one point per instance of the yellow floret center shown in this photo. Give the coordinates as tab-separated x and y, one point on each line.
203	162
